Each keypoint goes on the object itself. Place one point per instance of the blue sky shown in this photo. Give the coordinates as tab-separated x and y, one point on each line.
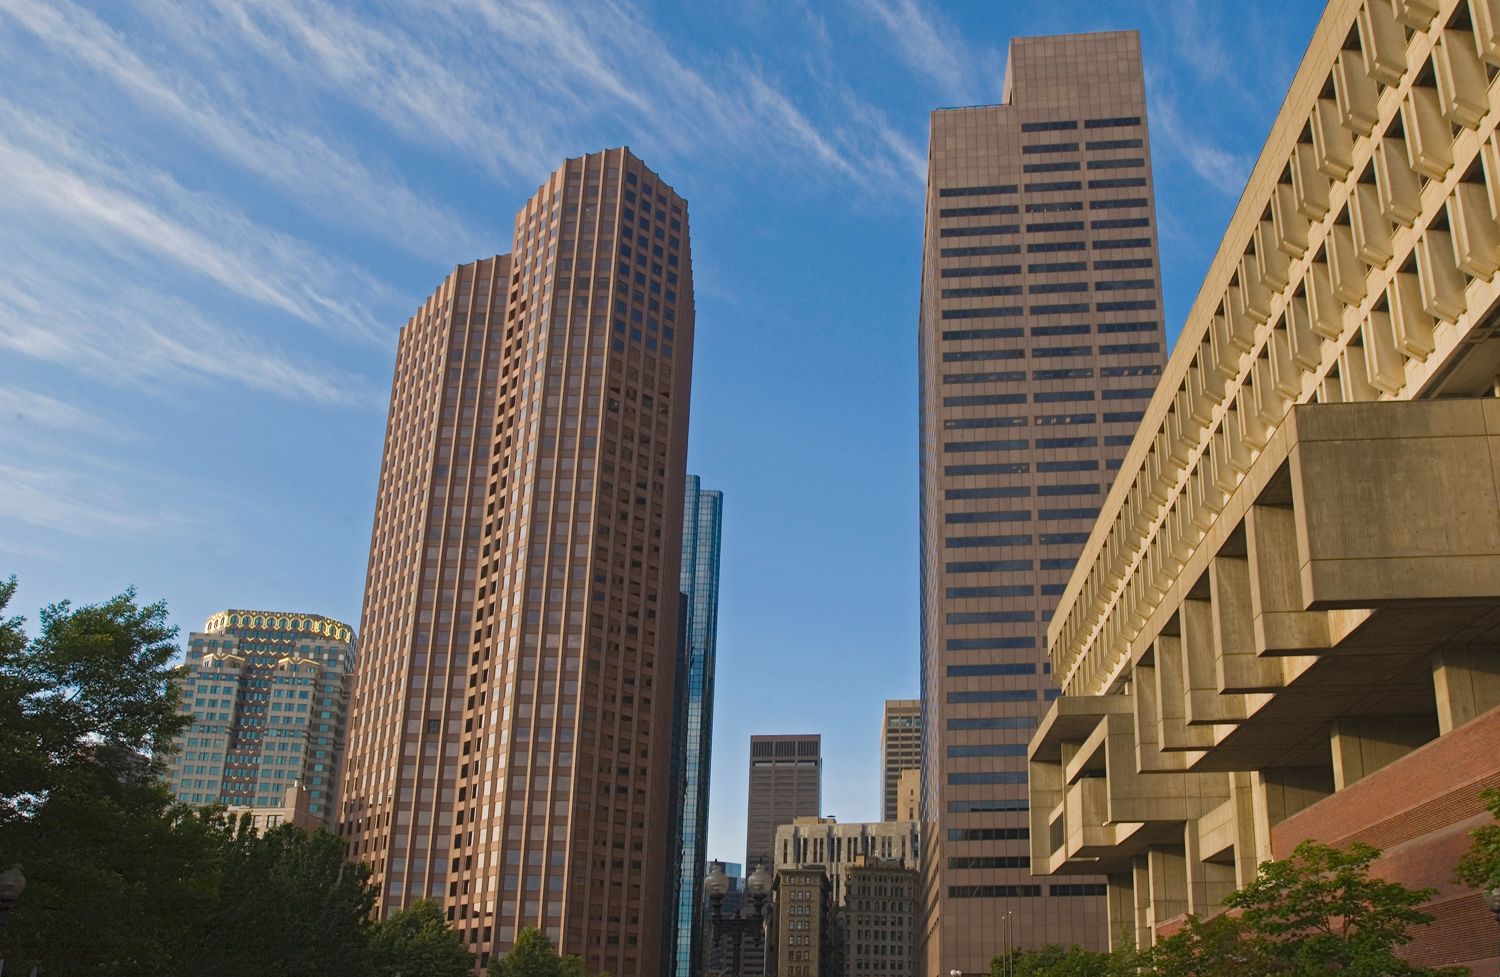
216	214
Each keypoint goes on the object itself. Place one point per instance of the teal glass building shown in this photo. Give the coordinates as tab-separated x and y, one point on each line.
702	519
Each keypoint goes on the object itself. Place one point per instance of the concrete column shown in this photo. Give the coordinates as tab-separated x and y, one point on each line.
1167	868
1237	666
1467	684
1281	792
1362	746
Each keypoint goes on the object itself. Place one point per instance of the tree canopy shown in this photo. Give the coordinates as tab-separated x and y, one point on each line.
124	881
532	955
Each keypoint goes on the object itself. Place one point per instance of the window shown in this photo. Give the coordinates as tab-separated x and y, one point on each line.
1019	515
989	492
1125	348
1059	126
1129	305
977	211
1114	144
979	231
1053	267
1115	285
981	249
956	356
973	542
1059	167
994	722
976	191
1112	123
1076	489
991	617
1001	377
996	777
1128	326
1067	466
1004	590
1057	396
1053	539
1007	468
1007	332
984	400
1075	513
1053	288
982	671
1116	164
991	861
1116	222
992	695
962	293
1013	310
1117	183
1078	889
993	891
1051	226
1051	351
989	566
986	806
980	271
1039	247
983	422
1051	147
990	644
988	834
1055	207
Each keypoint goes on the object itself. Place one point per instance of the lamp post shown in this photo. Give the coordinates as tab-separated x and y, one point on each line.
737	927
12	882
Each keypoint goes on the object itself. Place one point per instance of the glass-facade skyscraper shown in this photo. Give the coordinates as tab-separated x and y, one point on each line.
701	525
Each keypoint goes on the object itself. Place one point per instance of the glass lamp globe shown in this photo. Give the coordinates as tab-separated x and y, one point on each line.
717	883
759	882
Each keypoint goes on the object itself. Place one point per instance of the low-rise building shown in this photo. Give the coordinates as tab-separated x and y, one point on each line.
802	934
879	919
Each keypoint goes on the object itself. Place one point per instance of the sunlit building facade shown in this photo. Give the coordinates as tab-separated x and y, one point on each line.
513	750
1041	343
1285	623
269	695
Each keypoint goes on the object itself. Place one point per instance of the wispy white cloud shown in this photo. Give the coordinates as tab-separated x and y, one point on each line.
24	409
70	502
111	198
927	44
128	335
1222	169
511	96
330	180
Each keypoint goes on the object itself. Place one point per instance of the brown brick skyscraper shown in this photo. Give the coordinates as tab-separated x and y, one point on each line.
1040	342
534	764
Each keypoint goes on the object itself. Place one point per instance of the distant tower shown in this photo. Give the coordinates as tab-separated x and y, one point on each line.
786	783
900	750
1040	346
512	752
701	531
269	693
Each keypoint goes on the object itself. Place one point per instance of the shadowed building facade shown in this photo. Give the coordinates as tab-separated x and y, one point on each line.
513	754
1040	343
1286	621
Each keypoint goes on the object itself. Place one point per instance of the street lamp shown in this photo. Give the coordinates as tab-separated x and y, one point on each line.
12	882
737	927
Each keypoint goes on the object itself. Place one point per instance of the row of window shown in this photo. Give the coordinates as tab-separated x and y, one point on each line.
1023	515
1047	227
1041	420
1023	891
1072	166
1049	247
1039	444
1045	268
1066	329
1065	125
1072	147
1048	207
1020	491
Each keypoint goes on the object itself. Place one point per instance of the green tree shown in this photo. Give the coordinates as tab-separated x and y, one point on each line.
1321	912
416	942
116	871
287	903
532	955
1217	948
1054	961
1480	865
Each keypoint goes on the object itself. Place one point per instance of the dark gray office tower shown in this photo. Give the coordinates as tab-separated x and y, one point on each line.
786	783
701	522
